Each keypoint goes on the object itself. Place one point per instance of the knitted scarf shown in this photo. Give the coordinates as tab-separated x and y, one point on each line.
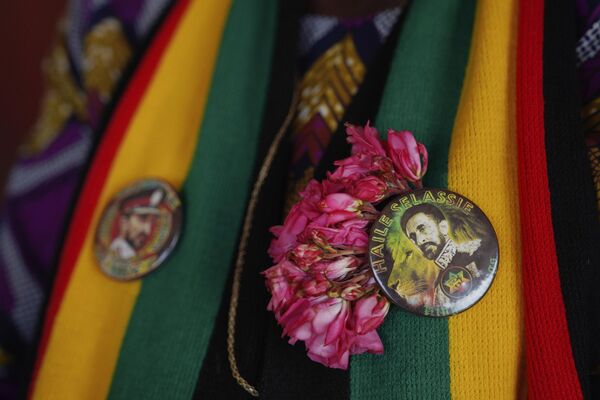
489	88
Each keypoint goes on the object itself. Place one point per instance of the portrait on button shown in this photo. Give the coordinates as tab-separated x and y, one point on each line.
136	221
137	229
439	252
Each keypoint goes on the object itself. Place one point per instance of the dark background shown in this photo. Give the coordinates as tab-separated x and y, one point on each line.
27	30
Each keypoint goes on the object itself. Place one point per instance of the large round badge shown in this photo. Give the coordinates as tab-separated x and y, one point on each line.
138	229
433	252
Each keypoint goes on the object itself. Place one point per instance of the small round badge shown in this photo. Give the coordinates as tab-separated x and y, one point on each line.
138	229
433	252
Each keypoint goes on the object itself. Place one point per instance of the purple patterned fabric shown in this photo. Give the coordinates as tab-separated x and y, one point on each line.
588	58
97	43
588	48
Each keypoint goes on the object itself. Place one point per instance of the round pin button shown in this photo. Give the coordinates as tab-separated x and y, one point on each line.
138	229
433	252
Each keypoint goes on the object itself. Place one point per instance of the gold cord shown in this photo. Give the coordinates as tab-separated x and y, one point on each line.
241	255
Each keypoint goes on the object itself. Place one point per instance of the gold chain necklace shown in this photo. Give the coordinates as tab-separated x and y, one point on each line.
241	255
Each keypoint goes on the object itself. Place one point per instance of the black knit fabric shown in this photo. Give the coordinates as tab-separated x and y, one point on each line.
279	370
574	214
215	380
288	373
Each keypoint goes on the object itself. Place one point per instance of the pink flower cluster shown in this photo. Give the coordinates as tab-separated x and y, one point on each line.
323	291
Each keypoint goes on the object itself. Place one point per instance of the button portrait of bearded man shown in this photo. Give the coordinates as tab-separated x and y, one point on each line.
137	217
431	251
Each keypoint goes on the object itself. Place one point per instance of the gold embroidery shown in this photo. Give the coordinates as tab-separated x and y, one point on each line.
329	84
62	100
591	124
591	115
106	53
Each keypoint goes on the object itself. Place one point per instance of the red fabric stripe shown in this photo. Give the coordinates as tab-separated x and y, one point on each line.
96	177
551	372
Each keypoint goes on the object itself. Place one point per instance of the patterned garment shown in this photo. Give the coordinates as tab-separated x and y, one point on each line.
104	339
588	58
334	57
93	47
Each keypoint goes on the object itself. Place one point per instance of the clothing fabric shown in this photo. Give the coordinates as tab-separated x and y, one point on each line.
93	51
134	144
334	55
489	87
588	59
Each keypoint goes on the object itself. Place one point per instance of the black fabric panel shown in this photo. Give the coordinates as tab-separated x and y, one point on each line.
16	371
279	370
574	214
288	373
215	380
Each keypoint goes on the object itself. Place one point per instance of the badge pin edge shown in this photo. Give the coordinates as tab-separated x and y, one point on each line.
177	224
385	288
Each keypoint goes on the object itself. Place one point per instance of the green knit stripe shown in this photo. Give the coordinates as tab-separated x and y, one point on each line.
170	328
422	94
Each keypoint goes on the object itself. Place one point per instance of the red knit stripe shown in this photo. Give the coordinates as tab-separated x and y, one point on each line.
96	177
551	372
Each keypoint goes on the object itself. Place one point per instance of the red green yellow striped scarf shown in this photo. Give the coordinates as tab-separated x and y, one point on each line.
191	115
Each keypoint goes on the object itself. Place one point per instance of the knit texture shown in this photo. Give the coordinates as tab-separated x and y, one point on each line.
171	324
550	367
48	378
421	95
287	373
215	379
574	215
486	341
72	367
165	335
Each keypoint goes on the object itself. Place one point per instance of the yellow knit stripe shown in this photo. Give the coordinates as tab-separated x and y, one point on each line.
90	325
486	342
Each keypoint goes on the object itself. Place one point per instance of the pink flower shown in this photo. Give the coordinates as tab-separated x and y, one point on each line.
408	156
312	192
338	268
308	318
357	223
287	233
349	233
369	342
306	254
311	196
332	186
316	286
281	281
369	312
327	342
358	166
340	207
370	189
364	140
330	319
352	292
334	355
382	164
322	290
340	202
